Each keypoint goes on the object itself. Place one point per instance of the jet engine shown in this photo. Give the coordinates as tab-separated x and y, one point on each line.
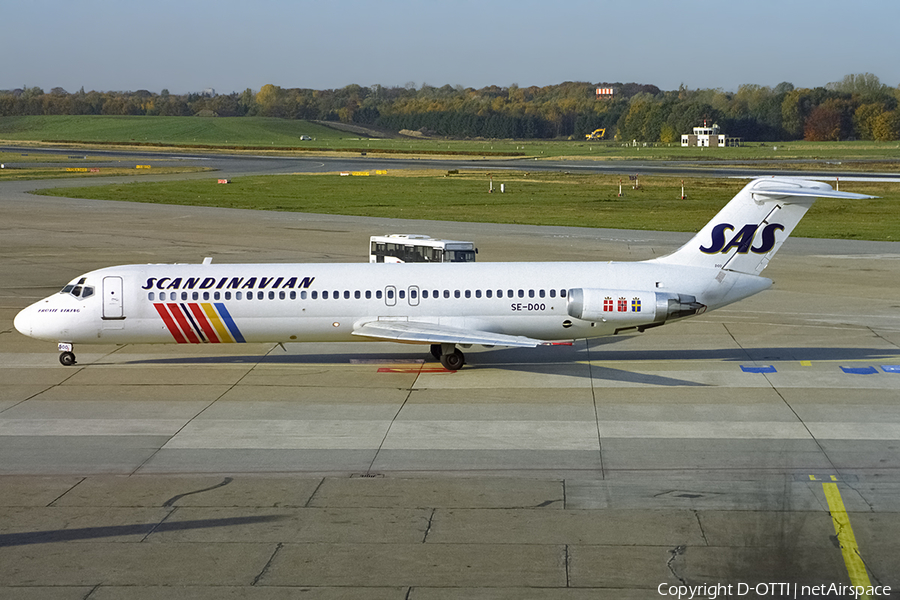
631	308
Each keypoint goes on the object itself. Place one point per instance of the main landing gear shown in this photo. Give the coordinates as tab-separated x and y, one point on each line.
449	355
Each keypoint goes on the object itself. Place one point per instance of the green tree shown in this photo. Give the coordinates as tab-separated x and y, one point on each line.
886	127
865	85
864	119
268	101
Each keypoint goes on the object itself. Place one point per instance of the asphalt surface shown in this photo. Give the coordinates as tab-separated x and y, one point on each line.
248	164
732	448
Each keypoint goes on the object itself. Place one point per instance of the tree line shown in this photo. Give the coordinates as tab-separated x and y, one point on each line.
857	107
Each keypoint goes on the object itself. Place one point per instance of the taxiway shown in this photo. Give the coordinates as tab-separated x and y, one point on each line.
698	452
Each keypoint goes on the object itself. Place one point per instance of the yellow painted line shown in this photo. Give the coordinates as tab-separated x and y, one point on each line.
850	550
805	363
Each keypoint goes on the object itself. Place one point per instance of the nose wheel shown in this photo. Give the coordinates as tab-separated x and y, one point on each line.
67	359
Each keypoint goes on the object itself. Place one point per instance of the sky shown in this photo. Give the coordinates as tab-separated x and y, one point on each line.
192	45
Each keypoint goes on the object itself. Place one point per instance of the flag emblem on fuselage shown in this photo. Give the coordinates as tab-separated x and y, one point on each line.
199	323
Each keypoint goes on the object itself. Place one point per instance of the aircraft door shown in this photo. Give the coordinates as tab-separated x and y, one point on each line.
413	295
390	295
112	298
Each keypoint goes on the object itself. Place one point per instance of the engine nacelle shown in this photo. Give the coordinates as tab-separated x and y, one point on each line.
631	308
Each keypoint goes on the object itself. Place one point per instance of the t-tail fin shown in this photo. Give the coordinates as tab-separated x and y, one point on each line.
750	229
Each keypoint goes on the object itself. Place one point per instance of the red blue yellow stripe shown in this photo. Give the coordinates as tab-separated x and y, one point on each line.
199	323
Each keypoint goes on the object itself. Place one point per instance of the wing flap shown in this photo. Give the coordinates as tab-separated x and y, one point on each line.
413	332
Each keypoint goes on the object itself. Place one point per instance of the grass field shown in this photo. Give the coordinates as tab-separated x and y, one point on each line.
259	133
533	198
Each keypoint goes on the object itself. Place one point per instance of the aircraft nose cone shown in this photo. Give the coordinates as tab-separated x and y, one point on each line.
23	321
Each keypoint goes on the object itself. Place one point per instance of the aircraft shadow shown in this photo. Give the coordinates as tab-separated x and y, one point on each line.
548	360
90	533
527	358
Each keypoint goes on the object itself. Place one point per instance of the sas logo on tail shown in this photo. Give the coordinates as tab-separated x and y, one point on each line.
743	239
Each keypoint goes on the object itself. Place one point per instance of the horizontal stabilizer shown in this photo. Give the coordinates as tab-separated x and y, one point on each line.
804	193
413	332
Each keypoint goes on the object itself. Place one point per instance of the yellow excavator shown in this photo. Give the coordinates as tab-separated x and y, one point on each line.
596	134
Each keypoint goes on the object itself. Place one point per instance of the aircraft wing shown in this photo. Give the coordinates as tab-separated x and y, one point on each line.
429	333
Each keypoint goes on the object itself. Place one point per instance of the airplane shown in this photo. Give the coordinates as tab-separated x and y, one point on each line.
443	306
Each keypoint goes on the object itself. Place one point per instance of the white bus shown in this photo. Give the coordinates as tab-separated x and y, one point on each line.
406	248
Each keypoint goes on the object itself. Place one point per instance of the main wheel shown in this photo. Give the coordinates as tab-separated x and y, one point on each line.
453	361
67	359
436	351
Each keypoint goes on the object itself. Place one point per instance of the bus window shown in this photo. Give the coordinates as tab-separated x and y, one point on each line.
396	248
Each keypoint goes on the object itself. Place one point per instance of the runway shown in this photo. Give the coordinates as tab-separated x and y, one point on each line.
699	452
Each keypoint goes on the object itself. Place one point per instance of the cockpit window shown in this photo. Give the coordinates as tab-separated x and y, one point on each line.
78	290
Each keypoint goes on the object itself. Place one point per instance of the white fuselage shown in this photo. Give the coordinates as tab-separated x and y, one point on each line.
194	303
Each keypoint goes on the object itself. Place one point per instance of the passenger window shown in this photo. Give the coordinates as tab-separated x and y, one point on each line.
424	293
390	294
324	295
468	293
378	294
478	293
541	293
509	293
456	294
446	293
293	295
562	293
261	295
531	293
281	295
195	295
184	295
413	294
521	293
162	295
346	294
227	295
302	295
315	295
357	294
553	293
368	294
402	294
488	293
237	295
151	296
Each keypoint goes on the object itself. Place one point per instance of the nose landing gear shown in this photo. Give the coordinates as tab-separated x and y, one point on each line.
66	357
